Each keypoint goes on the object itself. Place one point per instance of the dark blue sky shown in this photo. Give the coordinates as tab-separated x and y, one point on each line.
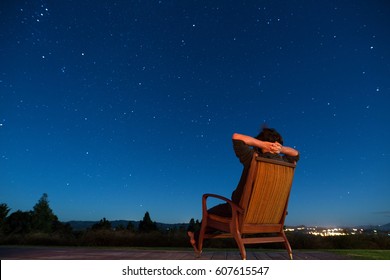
115	108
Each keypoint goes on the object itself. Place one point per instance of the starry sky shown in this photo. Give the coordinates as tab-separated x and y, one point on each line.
115	108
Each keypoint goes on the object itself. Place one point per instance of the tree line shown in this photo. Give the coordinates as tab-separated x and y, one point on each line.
41	226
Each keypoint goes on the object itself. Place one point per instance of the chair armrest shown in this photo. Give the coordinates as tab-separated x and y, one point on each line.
234	207
206	195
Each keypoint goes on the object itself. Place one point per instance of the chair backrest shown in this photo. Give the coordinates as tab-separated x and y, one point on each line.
267	190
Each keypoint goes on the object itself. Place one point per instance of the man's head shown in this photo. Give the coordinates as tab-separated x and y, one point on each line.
270	135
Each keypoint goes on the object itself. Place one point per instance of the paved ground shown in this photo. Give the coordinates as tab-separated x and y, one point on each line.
85	253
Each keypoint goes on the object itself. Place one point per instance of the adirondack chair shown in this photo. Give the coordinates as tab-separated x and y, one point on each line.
262	208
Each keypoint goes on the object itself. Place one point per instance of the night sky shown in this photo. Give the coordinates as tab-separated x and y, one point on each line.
115	108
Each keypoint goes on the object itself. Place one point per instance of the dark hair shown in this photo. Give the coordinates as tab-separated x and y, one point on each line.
270	135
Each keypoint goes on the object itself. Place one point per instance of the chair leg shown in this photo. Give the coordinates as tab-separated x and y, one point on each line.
240	244
287	245
201	235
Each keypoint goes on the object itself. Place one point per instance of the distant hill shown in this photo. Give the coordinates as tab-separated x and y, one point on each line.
82	225
385	227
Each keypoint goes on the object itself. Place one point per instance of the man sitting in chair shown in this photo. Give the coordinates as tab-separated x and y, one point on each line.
268	144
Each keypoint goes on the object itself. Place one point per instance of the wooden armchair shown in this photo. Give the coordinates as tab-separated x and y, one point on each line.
262	208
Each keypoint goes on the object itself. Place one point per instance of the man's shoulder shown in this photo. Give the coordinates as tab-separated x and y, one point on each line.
243	151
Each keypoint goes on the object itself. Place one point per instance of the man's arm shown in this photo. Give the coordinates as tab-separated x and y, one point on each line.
266	146
289	151
250	141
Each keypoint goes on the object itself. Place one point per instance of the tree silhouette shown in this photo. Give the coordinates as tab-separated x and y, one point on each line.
146	225
42	218
4	210
102	224
130	227
18	222
193	226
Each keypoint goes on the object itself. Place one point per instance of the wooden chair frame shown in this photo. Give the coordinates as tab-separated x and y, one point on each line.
262	208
